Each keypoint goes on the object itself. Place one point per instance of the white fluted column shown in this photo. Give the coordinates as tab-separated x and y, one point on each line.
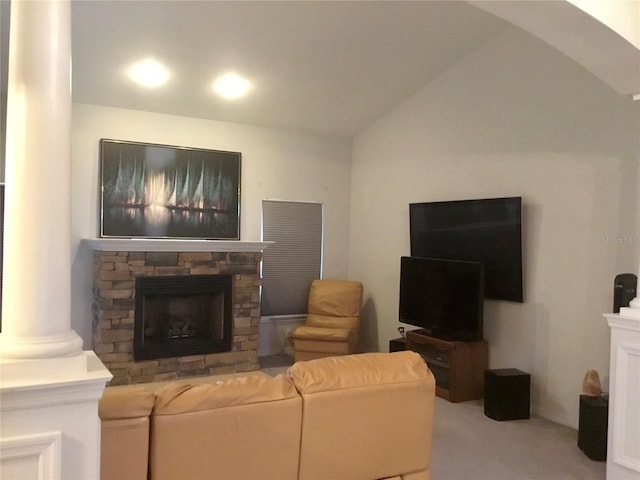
36	308
49	387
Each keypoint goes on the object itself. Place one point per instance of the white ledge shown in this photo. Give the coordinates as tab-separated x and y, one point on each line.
624	322
173	245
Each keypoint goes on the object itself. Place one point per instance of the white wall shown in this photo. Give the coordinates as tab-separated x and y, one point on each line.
276	164
622	16
516	118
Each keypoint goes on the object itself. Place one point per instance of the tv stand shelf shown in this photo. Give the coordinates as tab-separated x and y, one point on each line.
457	366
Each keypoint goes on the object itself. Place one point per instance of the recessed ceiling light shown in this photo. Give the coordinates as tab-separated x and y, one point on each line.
148	73
231	86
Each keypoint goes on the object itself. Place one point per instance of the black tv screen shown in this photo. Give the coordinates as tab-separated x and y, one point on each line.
444	297
488	231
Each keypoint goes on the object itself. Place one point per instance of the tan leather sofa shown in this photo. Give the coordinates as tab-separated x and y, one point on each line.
367	416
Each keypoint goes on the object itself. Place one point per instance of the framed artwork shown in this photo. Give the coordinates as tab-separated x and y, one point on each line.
161	191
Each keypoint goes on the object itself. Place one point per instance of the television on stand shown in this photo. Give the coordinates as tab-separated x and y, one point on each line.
445	298
487	230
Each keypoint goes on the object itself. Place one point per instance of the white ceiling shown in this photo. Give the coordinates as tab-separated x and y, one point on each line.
328	67
322	66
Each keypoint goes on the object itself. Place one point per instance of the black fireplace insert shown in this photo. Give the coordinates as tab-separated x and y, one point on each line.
182	315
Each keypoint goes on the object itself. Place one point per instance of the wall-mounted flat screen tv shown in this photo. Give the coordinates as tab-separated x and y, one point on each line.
443	297
488	231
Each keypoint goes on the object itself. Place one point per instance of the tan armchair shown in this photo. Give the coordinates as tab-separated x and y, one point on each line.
333	320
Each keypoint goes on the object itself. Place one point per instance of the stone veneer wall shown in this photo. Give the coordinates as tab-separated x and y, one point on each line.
113	312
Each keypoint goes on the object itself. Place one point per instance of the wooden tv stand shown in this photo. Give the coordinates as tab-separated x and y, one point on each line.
457	366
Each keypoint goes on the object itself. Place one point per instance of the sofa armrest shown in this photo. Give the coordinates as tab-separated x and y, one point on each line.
125	402
124	414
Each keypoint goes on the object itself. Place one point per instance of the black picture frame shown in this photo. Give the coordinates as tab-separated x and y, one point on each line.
150	190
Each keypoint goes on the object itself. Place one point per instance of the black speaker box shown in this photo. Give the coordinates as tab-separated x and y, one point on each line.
507	394
592	427
397	345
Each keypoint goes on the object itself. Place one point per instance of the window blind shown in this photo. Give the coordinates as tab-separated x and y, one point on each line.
289	265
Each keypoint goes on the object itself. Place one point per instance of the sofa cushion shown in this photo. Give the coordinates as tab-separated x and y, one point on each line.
176	398
354	371
241	428
365	416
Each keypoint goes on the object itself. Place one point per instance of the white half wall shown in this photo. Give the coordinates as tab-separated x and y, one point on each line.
515	118
276	164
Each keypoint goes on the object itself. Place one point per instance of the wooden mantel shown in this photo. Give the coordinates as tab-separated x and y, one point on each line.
173	245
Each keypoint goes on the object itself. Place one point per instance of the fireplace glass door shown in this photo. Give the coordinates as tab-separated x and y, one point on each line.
182	315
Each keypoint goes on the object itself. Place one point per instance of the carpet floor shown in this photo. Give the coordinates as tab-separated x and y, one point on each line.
467	445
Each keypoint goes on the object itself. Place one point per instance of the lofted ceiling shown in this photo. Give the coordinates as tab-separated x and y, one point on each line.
317	66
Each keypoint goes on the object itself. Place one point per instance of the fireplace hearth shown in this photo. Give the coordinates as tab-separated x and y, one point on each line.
182	315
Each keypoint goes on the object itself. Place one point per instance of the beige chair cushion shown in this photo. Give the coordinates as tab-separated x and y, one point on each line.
301	356
331	321
335	297
324	334
320	346
241	428
347	402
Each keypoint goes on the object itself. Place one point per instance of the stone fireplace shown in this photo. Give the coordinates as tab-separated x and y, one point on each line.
160	314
